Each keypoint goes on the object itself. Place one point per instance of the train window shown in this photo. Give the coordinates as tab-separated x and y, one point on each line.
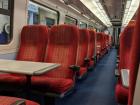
6	15
4	4
90	26
70	20
82	25
38	14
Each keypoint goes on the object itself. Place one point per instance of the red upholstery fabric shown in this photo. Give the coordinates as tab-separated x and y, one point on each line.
103	44
99	44
4	100
82	50
57	85
134	58
82	72
91	48
125	46
62	49
91	63
32	48
122	94
83	46
12	79
107	41
33	43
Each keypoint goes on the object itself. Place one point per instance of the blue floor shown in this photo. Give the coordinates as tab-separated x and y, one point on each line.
98	88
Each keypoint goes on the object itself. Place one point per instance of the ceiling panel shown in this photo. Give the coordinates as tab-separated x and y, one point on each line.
114	8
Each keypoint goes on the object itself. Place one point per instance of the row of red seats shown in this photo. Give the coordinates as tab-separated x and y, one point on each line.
67	45
129	54
104	42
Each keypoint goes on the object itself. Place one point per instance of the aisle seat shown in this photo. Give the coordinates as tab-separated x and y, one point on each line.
62	49
82	59
125	46
91	47
99	45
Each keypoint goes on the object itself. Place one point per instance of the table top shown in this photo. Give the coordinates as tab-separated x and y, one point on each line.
26	67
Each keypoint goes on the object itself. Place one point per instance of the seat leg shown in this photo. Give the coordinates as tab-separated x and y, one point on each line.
49	100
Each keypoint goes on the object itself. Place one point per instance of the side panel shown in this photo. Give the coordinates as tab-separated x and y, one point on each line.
20	19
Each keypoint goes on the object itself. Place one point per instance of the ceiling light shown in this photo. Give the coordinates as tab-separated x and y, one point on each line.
62	1
130	10
97	9
74	9
86	16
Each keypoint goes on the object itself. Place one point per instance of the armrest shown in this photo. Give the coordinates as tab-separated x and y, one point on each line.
118	57
117	74
86	60
117	61
75	68
125	77
94	58
117	65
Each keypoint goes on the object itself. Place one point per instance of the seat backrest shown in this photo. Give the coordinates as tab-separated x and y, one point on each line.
107	40
125	46
99	42
83	46
134	58
33	43
104	40
62	49
91	45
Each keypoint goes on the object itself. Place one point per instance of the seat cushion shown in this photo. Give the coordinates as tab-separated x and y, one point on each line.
91	63
12	78
82	72
55	85
121	94
31	103
4	100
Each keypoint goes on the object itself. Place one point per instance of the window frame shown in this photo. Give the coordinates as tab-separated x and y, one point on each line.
58	13
71	18
83	23
9	12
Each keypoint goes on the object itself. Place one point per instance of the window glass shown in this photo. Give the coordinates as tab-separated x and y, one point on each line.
70	20
82	25
38	14
4	4
90	26
6	21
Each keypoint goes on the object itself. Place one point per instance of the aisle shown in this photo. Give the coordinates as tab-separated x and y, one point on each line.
98	88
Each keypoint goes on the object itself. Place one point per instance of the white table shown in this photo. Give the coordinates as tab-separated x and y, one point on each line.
26	68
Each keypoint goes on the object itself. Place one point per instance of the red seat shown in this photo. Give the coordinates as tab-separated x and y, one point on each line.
62	49
110	41
134	59
99	45
107	42
82	52
91	47
103	41
4	100
103	44
32	48
125	46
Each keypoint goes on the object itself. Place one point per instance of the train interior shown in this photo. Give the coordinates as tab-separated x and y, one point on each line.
69	52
